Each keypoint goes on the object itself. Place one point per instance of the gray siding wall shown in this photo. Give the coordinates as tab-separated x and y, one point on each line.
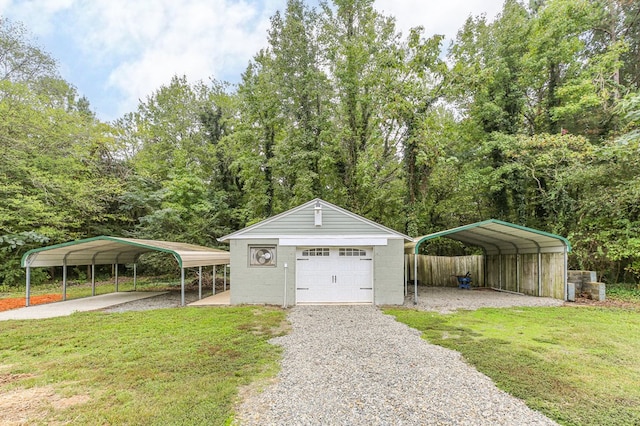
261	285
265	285
388	273
302	223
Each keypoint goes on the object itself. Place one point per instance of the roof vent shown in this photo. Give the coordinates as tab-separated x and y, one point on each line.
318	214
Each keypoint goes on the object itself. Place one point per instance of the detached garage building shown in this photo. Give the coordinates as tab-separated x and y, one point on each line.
317	253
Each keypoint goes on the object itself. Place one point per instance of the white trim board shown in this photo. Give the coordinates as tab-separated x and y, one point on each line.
333	242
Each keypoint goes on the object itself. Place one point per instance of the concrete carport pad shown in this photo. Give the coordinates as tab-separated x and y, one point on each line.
61	309
446	300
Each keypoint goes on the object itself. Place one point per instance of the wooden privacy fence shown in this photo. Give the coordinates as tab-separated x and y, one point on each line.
531	273
441	271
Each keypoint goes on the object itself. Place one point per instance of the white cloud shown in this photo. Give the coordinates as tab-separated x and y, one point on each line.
158	39
437	17
130	48
37	12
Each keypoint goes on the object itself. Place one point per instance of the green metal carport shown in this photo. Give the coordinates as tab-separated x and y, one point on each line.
507	247
106	250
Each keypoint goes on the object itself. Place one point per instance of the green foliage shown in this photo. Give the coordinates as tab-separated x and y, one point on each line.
624	291
183	180
11	247
58	179
20	59
534	71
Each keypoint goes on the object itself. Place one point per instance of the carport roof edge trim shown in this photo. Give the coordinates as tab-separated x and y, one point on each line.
125	241
419	240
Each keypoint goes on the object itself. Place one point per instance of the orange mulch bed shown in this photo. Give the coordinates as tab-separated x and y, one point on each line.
18	302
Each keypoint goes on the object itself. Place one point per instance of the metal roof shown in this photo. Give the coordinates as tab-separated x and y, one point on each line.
105	250
498	237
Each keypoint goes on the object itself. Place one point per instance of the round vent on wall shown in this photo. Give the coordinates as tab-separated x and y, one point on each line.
263	256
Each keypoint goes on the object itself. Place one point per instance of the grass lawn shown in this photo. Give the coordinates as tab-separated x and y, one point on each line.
77	289
577	365
166	366
14	297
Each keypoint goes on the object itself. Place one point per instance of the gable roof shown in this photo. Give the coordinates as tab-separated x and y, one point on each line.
106	250
498	237
299	221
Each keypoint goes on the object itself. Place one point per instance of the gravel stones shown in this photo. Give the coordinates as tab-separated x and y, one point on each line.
170	299
353	365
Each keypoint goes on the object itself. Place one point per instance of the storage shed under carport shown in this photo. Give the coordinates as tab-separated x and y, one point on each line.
516	258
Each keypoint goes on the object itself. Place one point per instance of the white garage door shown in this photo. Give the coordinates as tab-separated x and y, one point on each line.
334	275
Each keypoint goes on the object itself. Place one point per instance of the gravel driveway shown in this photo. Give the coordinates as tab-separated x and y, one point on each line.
353	365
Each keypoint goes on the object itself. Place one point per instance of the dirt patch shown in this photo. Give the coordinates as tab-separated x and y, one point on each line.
71	401
33	405
22	406
10	378
19	302
608	303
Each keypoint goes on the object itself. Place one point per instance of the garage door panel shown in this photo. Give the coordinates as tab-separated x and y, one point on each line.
334	275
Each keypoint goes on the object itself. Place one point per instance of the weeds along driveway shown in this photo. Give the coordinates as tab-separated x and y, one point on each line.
353	365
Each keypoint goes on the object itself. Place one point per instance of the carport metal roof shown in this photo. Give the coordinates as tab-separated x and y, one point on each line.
105	250
498	237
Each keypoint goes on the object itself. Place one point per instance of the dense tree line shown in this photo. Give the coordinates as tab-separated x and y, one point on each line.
531	118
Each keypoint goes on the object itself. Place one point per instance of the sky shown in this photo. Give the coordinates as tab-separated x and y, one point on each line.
118	52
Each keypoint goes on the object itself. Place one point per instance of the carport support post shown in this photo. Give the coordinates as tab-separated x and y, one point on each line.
415	278
225	277
500	278
93	278
539	273
485	266
182	286
566	277
116	266
135	276
199	282
215	269
28	298
64	279
517	272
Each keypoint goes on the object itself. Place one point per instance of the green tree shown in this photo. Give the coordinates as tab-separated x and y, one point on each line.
21	60
58	178
254	140
303	97
489	69
182	184
543	70
362	48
